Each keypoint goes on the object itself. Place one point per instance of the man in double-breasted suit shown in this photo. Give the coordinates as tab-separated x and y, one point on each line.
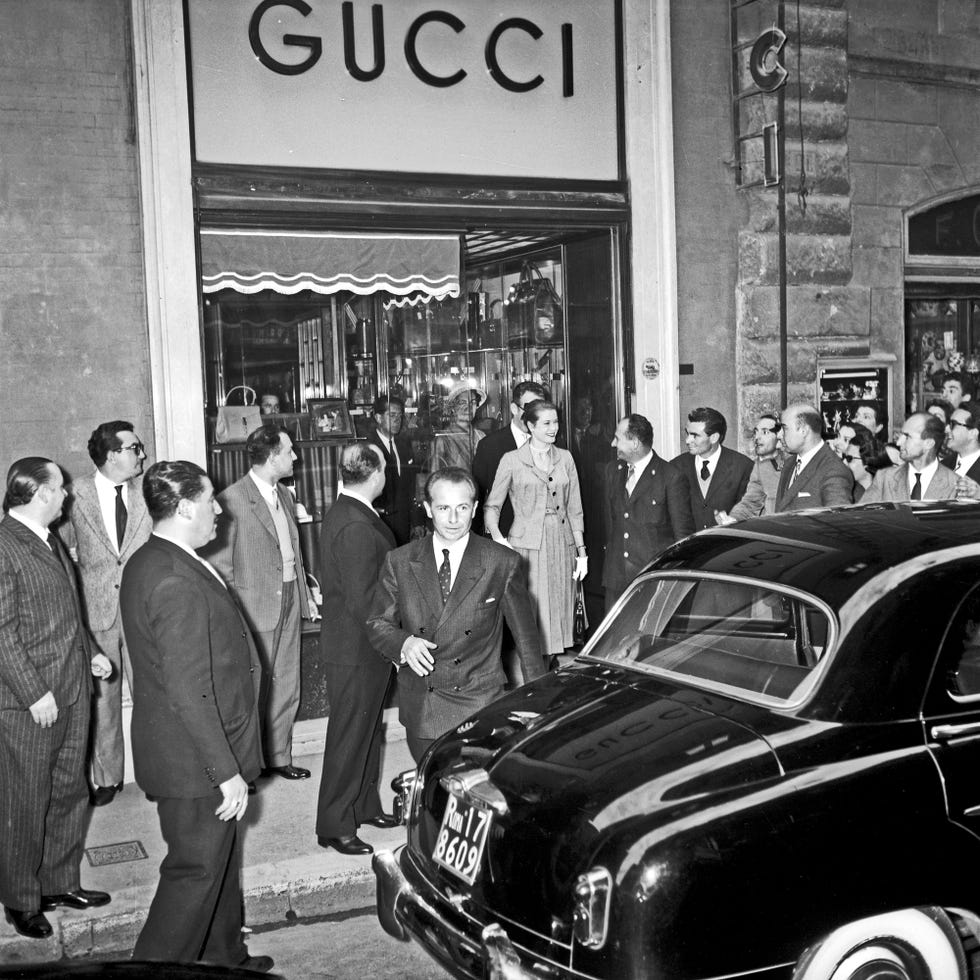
813	474
491	449
353	545
716	476
441	619
195	728
395	502
920	476
45	688
257	552
107	523
648	506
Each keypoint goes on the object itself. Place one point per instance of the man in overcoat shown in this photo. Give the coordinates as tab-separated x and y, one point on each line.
439	610
195	729
648	506
353	544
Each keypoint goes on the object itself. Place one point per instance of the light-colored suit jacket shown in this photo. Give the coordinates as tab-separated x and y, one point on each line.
467	630
100	567
246	552
892	483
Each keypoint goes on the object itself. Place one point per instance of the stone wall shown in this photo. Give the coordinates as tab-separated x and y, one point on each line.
72	308
826	313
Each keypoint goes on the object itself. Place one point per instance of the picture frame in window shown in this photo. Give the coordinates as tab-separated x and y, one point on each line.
329	418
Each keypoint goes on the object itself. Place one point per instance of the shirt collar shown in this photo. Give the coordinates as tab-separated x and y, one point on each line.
269	493
519	433
38	529
192	553
710	460
347	492
101	480
804	458
928	472
641	464
966	461
455	548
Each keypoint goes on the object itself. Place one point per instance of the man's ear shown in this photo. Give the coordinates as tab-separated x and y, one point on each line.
428	508
966	398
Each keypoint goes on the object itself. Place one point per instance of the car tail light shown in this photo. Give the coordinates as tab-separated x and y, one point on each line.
404	785
590	918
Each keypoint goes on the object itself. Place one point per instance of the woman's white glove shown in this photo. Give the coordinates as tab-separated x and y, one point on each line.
581	568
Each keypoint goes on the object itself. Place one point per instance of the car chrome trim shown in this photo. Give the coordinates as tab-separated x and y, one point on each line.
593	897
941	732
400	906
807	687
473	786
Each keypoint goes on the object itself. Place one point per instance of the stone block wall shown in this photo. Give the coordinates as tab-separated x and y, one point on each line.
72	306
825	313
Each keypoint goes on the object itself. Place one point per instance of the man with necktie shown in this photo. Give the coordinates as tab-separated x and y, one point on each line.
438	614
648	506
919	476
107	523
814	475
257	552
46	660
716	475
395	503
963	439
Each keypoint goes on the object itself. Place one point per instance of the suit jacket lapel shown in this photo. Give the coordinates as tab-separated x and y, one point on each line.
720	474
469	573
423	565
87	502
259	507
136	506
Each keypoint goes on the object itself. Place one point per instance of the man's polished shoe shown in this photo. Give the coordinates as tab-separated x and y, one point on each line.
257	964
288	772
80	898
346	845
102	795
31	924
384	820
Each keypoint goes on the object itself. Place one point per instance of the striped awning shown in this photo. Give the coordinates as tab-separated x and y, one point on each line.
249	261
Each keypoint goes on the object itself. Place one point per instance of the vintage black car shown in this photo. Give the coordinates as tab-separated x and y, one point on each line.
766	763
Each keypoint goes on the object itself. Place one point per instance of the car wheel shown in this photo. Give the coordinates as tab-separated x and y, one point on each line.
913	944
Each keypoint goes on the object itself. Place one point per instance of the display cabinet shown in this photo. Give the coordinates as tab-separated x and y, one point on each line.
845	383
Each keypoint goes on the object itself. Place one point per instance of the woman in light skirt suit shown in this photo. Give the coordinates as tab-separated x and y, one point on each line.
542	483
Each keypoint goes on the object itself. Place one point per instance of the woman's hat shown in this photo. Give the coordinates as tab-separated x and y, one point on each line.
463	388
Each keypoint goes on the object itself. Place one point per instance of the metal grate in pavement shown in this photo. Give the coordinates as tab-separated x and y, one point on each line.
131	850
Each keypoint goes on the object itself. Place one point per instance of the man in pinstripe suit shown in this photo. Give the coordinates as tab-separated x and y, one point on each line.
45	692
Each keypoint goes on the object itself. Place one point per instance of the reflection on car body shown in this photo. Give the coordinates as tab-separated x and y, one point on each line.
764	764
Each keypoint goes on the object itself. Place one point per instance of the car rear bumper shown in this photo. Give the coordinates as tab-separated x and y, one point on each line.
405	913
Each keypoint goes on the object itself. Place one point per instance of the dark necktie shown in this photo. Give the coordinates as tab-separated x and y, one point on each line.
445	576
775	465
121	516
916	493
705	472
796	471
630	470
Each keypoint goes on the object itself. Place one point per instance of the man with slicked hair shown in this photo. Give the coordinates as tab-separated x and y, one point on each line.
919	476
107	523
46	663
353	543
813	474
195	727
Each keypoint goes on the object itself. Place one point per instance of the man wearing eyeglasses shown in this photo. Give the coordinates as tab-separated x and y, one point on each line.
107	523
760	494
963	439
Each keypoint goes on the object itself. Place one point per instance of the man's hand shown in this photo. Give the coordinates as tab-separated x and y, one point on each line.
44	711
722	518
415	653
101	666
581	568
235	793
967	489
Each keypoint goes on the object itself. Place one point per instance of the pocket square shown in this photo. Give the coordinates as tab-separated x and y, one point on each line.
803	493
491	599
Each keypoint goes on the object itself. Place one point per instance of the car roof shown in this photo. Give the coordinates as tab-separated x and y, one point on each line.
831	552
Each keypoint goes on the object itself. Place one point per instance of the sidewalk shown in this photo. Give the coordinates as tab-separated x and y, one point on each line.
286	874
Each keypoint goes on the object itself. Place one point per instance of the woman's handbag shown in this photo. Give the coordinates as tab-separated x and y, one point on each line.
534	313
581	622
235	422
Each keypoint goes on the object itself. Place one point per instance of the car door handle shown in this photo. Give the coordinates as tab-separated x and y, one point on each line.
942	732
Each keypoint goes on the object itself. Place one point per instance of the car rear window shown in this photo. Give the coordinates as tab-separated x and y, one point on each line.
745	637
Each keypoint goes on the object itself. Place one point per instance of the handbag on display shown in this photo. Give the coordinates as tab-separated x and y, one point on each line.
235	422
534	313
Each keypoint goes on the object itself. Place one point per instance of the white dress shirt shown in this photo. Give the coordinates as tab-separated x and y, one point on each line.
455	548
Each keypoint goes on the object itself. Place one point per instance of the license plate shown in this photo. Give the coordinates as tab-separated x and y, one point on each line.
462	837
